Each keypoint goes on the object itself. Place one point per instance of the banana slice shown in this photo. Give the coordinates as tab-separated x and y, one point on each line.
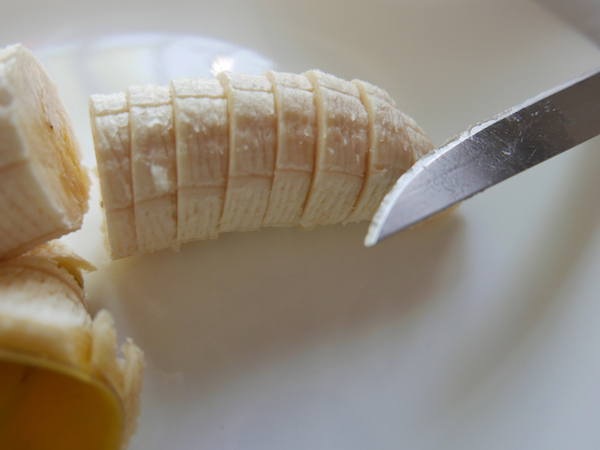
43	188
252	150
420	144
61	384
394	140
341	155
296	141
110	129
202	145
153	163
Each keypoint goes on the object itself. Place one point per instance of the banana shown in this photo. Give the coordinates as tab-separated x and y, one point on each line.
110	130
419	143
153	166
296	141
395	143
341	155
43	187
252	150
202	147
61	384
243	151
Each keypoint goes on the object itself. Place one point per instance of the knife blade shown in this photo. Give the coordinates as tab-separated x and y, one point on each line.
490	152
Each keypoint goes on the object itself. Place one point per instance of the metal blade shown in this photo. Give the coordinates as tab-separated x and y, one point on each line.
491	152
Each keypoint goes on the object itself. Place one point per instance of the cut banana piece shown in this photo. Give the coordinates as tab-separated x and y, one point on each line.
73	391
110	129
341	155
153	163
43	188
394	139
296	141
243	151
419	142
252	150
202	143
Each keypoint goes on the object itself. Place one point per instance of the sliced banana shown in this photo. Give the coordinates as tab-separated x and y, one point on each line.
391	152
43	188
110	129
202	143
243	151
252	150
46	333
341	155
296	141
153	163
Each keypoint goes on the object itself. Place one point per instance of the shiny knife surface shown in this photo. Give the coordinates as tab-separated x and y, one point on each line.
491	152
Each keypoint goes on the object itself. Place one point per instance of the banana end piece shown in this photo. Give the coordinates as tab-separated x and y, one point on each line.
44	189
47	332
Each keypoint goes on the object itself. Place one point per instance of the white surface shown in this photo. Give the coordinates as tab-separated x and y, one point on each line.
479	330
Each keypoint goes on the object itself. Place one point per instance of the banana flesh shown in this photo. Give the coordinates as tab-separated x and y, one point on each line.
43	188
44	322
202	143
153	166
390	152
252	147
341	154
296	141
243	151
110	116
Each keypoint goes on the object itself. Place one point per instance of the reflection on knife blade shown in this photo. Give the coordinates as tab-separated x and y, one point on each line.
491	152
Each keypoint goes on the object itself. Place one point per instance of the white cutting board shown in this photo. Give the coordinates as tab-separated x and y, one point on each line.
480	330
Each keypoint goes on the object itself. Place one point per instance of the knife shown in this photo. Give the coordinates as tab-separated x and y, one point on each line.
491	152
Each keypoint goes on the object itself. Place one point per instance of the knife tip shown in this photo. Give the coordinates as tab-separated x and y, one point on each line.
376	232
372	236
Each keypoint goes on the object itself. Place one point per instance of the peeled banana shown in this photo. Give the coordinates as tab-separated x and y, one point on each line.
205	156
61	384
43	188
